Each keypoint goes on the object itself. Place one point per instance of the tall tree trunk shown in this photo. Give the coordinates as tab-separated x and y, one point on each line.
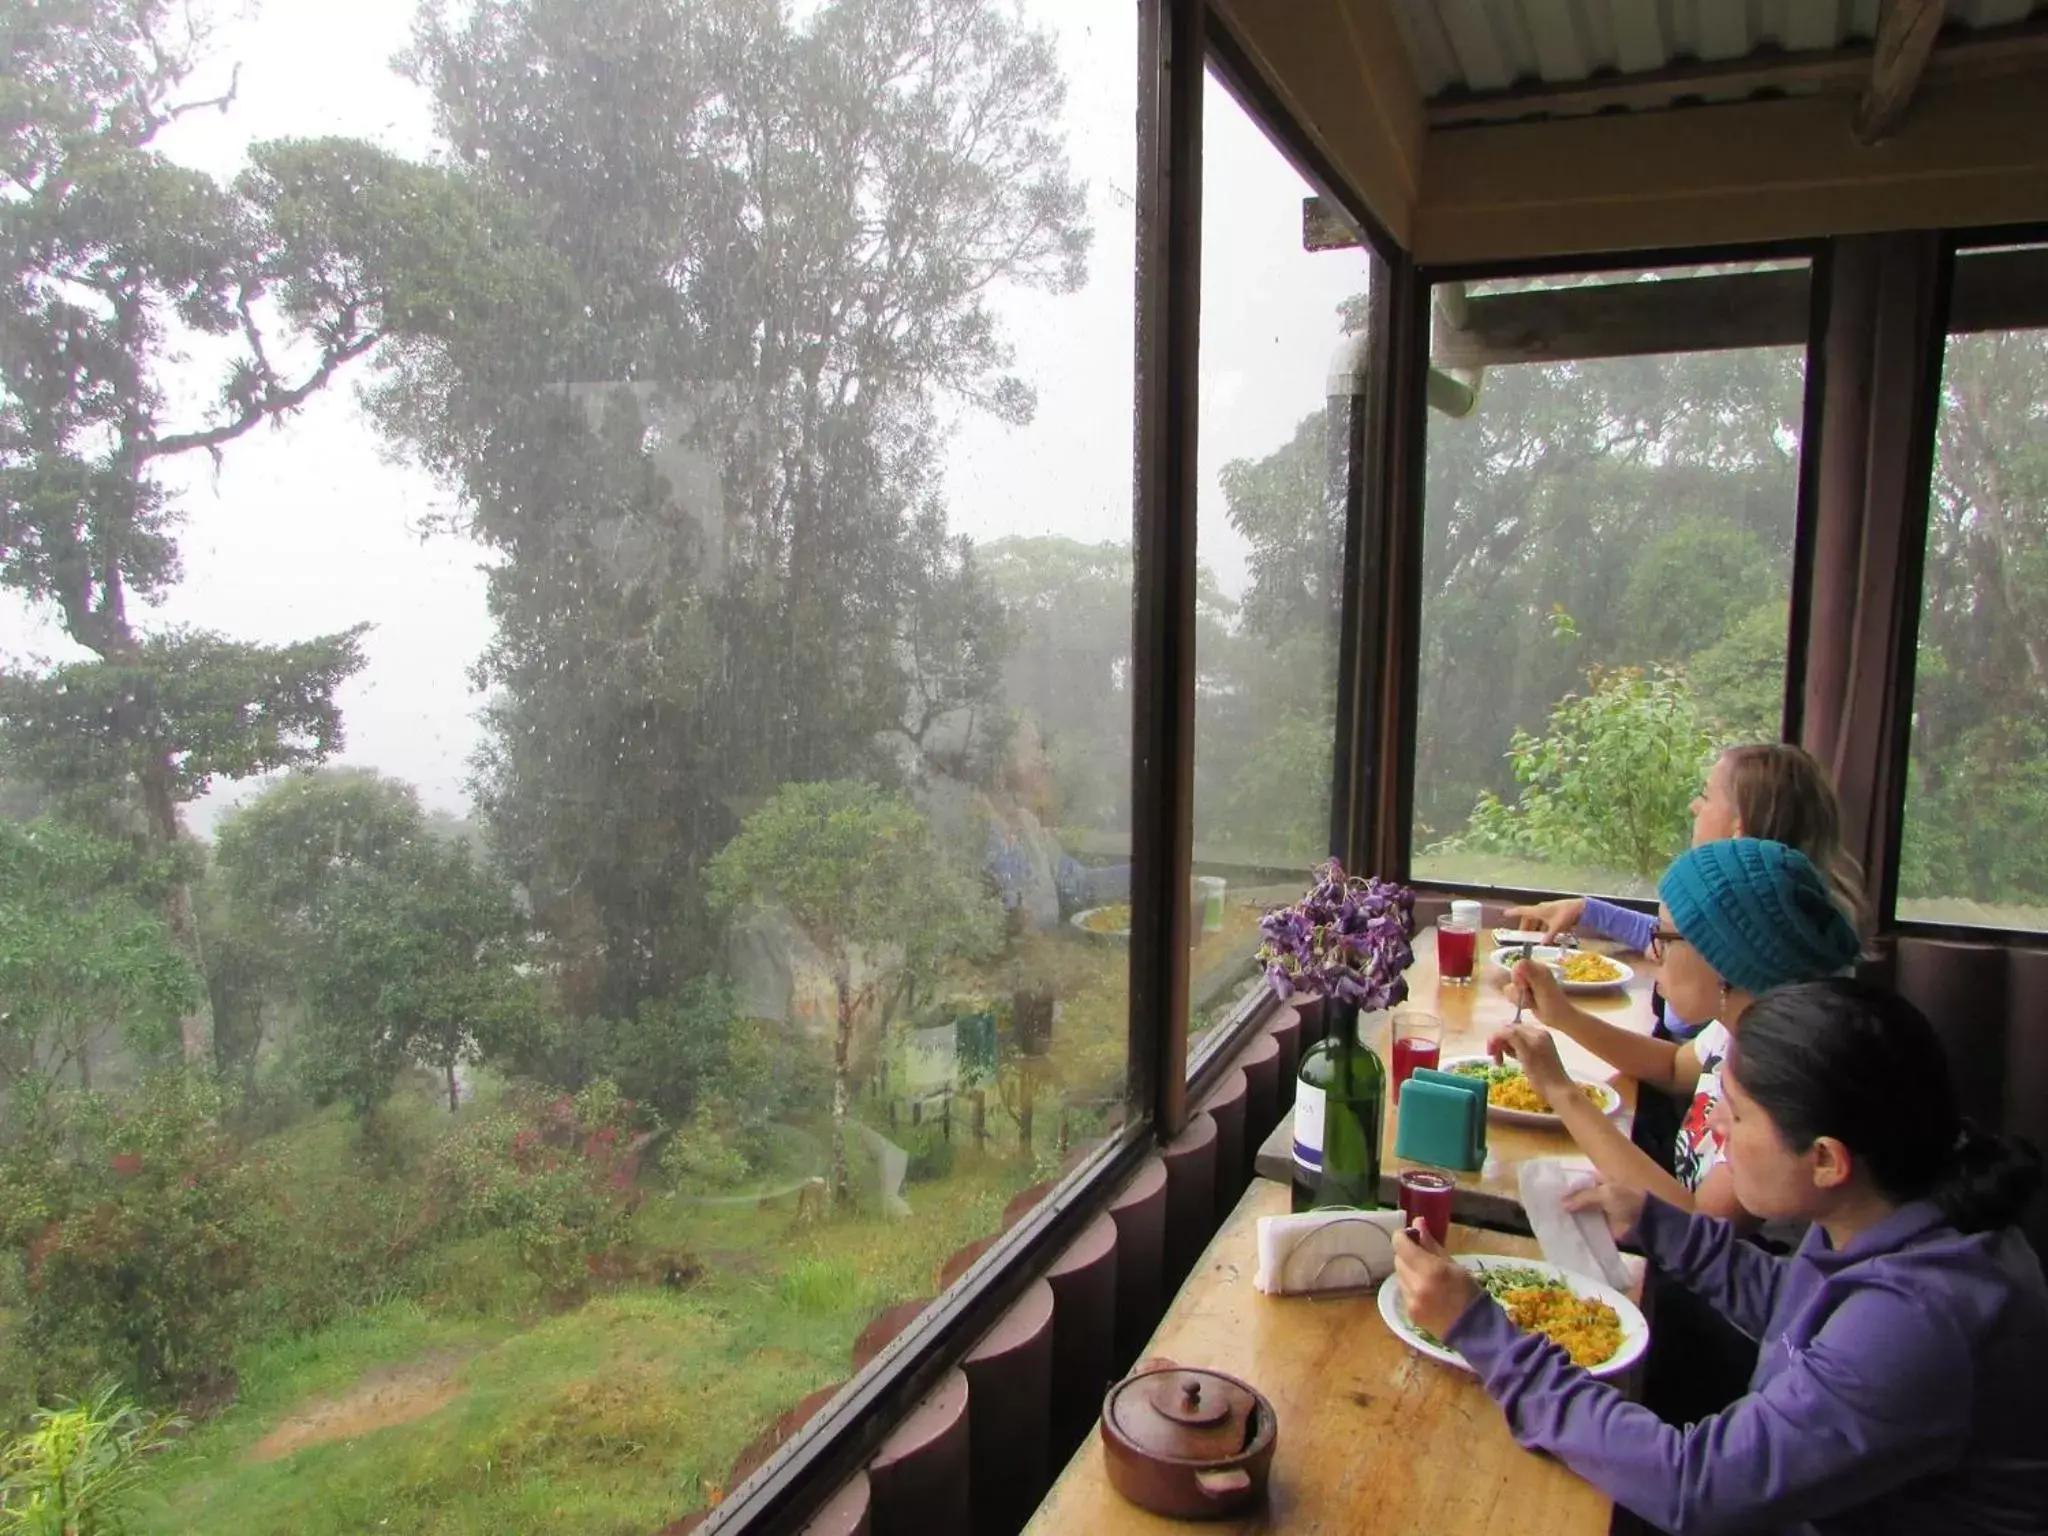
842	1089
195	1029
454	1094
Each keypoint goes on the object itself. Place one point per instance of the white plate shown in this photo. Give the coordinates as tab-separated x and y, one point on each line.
1610	1099
1507	956
1635	1331
1097	933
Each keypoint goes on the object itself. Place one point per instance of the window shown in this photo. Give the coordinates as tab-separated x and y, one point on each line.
1270	537
565	734
1975	844
1606	564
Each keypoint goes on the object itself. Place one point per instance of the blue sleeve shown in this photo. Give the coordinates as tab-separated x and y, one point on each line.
1625	925
1738	1279
1880	1398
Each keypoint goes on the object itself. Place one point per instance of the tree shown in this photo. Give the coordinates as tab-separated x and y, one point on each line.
1281	505
275	860
1267	726
417	958
1570	486
86	958
1973	826
114	259
858	872
710	473
1608	786
1740	680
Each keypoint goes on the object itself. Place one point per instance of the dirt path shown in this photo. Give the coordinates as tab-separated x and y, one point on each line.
395	1394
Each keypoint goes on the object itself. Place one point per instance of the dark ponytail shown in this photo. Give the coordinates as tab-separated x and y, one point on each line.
1844	1059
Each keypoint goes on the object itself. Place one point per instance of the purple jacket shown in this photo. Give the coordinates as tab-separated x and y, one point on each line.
1902	1386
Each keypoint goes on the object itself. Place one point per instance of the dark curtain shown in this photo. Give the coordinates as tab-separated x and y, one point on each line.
1883	333
1880	366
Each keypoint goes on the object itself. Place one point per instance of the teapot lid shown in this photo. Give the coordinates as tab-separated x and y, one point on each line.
1184	1414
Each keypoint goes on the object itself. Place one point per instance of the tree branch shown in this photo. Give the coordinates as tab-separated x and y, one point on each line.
275	401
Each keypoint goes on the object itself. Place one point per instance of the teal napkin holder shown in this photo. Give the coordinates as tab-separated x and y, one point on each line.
1441	1120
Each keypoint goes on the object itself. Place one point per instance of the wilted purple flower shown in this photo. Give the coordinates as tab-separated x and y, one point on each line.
1347	939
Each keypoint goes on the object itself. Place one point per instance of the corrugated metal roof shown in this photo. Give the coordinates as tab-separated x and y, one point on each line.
1494	45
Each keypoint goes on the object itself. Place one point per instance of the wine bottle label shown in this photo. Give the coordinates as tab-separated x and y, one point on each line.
1308	1126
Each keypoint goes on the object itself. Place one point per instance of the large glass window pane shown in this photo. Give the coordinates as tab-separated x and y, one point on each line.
1607	556
563	709
1975	849
1270	536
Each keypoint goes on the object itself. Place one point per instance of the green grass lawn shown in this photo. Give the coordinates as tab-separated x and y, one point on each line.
616	1416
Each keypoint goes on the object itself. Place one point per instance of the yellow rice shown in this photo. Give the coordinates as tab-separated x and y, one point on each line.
1589	1331
1517	1092
1584	966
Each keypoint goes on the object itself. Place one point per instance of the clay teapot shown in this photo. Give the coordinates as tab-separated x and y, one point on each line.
1187	1443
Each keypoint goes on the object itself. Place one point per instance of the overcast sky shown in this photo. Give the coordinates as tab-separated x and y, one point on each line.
308	528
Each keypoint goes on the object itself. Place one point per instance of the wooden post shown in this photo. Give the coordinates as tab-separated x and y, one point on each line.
980	1120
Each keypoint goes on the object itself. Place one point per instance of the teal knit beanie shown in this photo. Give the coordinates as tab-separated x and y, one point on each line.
1759	912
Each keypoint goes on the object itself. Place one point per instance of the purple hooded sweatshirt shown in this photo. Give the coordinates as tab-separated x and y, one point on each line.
1902	1386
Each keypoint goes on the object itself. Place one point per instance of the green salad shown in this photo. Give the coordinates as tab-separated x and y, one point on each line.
1496	1280
1487	1072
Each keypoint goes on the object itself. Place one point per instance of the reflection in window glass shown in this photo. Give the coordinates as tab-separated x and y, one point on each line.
1975	847
560	726
1271	544
1606	564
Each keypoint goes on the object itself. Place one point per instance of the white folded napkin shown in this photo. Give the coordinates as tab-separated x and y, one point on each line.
1325	1251
1578	1241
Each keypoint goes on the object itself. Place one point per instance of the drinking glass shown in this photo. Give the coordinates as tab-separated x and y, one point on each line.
1457	944
1418	1042
1426	1197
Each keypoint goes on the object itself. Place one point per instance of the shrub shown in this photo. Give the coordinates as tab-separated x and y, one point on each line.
558	1174
700	1157
931	1154
136	1226
1609	784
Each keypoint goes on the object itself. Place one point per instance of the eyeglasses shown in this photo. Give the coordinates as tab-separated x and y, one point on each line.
1660	941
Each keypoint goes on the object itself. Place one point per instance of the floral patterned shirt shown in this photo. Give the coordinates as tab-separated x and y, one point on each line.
1699	1148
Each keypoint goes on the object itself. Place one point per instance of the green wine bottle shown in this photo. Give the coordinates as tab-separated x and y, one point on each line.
1340	1105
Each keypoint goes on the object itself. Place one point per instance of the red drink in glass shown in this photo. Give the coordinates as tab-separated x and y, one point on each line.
1426	1197
1455	950
1418	1042
1411	1052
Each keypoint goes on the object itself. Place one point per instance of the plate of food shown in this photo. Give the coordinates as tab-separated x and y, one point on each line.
1600	1328
1578	970
1510	1096
1110	922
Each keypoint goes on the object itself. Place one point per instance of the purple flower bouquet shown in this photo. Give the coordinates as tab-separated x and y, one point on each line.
1348	940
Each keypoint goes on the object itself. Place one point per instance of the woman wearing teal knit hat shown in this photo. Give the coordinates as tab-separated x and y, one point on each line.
1738	917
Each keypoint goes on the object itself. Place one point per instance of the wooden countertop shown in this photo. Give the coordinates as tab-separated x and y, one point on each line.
1373	1438
1470	1013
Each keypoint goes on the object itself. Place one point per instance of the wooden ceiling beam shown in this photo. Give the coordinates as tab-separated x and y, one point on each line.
1720	311
1713	313
1906	32
1982	55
